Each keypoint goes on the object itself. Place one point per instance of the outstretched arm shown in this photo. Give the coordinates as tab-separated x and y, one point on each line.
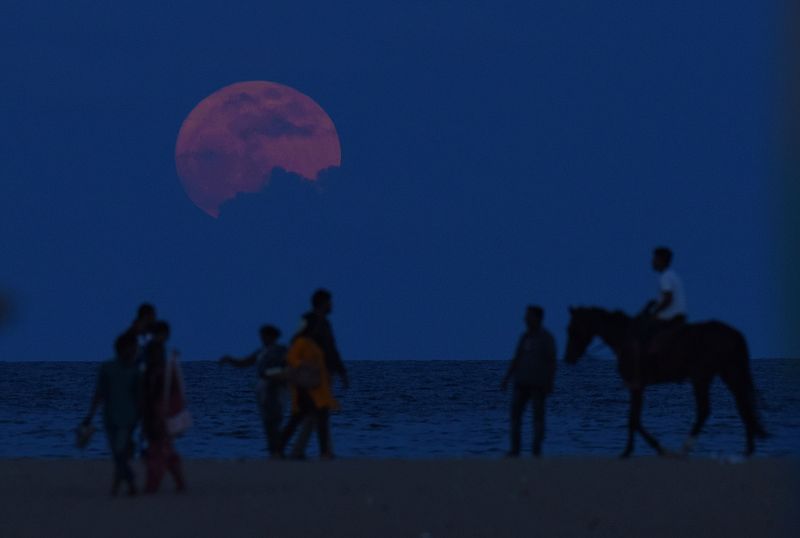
243	362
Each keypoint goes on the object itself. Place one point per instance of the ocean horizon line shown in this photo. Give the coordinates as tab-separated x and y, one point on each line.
505	359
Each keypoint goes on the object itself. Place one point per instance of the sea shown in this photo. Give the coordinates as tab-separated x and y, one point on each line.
408	409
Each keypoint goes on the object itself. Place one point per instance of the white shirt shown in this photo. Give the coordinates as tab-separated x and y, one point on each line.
669	281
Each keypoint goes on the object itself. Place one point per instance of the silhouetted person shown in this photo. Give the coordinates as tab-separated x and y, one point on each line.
671	302
533	369
662	317
311	388
321	307
270	362
118	390
157	406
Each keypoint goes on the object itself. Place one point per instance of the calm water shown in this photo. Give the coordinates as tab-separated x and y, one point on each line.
409	409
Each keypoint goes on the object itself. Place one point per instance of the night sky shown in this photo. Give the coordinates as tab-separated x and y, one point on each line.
493	155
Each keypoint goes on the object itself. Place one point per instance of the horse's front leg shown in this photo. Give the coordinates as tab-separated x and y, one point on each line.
634	415
635	424
703	404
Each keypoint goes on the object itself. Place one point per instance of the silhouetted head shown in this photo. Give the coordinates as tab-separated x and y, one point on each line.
322	302
160	331
269	334
145	317
126	347
579	334
662	258
534	315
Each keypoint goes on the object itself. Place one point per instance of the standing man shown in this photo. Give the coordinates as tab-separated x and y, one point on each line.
118	391
320	330
533	369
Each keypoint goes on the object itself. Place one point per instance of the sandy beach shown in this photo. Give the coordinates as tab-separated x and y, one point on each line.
431	499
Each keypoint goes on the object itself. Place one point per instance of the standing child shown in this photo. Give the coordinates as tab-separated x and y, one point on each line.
118	391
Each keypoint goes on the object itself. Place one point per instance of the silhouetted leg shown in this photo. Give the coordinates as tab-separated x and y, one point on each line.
173	464
273	431
155	465
634	413
538	398
323	433
703	403
123	472
306	429
271	413
120	442
744	405
518	401
288	431
635	424
740	389
299	449
647	437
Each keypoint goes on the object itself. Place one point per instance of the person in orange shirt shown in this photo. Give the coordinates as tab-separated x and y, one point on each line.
311	387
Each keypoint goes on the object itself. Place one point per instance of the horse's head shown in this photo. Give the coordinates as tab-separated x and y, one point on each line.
580	333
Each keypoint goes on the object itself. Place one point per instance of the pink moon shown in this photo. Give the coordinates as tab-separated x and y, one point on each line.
234	138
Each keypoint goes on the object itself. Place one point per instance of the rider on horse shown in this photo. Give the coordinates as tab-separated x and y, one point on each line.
661	318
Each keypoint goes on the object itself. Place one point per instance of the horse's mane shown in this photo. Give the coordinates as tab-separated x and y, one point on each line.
617	316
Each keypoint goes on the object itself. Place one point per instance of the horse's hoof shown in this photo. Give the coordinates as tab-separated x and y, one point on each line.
625	455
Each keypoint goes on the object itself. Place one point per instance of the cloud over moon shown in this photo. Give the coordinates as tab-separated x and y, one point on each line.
233	140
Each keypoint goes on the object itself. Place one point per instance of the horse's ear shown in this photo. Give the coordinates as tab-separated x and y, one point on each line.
571	309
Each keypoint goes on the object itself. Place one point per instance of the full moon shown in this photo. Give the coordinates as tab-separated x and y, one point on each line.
234	138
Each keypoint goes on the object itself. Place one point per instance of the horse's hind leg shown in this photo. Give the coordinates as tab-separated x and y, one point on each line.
634	415
703	403
742	394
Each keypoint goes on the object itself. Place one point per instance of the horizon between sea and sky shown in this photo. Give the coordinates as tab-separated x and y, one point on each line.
480	158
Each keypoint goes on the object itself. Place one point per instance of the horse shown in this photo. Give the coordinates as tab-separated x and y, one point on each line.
696	352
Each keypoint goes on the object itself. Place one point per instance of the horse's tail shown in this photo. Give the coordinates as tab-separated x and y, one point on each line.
752	393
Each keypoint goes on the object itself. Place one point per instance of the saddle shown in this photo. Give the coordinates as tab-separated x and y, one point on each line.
652	339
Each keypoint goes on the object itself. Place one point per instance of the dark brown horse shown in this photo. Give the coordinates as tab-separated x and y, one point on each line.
695	352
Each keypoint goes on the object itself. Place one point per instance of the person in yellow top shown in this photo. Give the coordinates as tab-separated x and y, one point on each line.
311	388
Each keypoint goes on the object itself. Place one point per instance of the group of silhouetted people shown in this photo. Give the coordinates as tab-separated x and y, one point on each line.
305	369
143	384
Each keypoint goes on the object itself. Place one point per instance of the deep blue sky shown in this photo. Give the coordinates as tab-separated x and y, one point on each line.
493	155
